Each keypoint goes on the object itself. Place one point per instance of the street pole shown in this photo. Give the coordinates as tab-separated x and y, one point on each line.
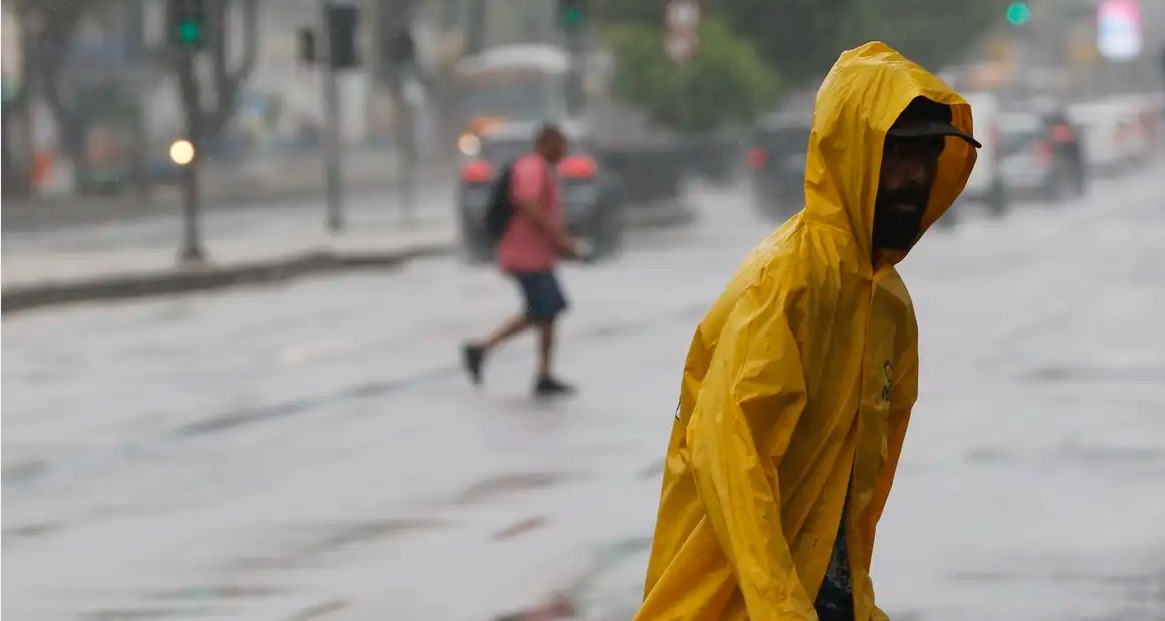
404	133
191	251
332	152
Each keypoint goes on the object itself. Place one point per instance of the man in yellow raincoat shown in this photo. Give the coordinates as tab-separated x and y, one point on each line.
799	382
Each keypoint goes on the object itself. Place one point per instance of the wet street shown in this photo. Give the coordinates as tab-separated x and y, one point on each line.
314	451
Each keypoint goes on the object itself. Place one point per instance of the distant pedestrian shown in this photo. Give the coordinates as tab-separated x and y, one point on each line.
528	252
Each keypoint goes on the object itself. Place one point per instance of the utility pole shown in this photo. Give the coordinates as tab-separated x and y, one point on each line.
189	159
332	152
186	26
572	19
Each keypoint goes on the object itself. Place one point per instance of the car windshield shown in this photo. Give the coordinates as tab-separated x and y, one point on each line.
501	151
515	96
1018	131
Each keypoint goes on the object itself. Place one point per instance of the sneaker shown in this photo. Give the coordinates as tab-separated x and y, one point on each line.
551	387
472	356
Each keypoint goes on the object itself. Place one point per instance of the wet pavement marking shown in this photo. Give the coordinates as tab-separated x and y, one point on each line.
520	528
11	534
334	538
654	470
1055	374
140	614
500	485
220	592
319	611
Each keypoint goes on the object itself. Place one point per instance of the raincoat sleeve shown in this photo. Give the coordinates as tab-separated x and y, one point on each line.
902	400
750	401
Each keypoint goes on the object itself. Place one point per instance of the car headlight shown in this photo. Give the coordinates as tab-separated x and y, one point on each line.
469	145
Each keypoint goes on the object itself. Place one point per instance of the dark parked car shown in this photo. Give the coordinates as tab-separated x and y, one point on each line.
777	162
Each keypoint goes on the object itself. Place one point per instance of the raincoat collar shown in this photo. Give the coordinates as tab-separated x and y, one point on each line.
864	93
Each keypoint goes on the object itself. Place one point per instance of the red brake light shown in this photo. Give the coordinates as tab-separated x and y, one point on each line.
756	158
477	171
578	166
1063	133
1044	151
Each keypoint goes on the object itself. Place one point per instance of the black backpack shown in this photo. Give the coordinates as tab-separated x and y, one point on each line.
501	208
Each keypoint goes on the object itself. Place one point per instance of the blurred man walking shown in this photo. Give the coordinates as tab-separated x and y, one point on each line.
800	380
534	239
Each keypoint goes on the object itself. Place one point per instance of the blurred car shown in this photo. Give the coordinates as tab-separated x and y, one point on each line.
777	162
1116	135
591	196
986	184
1036	157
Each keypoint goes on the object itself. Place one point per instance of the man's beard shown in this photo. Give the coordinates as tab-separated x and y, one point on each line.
896	229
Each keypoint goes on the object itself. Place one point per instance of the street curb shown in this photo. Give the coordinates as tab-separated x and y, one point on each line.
207	278
21	298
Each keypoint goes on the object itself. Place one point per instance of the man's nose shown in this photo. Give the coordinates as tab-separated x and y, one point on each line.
915	173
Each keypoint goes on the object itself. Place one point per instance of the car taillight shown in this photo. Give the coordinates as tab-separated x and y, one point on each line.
477	171
1062	134
756	158
578	167
1043	151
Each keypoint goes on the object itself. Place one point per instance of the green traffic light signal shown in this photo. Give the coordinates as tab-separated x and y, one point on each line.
1018	13
572	16
189	33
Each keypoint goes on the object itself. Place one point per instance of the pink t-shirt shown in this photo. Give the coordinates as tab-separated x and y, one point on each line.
525	247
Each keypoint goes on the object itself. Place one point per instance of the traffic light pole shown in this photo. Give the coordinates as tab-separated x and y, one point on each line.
332	154
191	250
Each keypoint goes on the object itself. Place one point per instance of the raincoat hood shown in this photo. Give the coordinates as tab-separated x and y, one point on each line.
864	93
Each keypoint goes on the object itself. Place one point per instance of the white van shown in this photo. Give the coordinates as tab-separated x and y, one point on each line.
986	183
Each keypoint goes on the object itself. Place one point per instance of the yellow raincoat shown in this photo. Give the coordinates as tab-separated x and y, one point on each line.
804	371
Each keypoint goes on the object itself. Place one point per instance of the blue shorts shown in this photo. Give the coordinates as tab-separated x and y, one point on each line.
543	296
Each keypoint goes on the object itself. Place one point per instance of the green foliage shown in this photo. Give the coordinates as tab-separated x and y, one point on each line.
726	82
930	37
800	39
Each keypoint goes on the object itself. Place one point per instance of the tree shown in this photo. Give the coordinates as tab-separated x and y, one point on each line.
49	32
800	39
930	37
227	81
726	82
48	28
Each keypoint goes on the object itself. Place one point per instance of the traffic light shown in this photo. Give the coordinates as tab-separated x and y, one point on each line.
572	13
1018	13
343	20
186	23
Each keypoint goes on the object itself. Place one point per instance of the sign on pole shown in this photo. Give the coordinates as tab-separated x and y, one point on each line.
1119	35
680	47
681	21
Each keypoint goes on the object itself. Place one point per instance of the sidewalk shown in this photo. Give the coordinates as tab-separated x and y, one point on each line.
34	279
256	242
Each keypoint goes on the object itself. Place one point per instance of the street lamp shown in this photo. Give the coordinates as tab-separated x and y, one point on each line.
182	152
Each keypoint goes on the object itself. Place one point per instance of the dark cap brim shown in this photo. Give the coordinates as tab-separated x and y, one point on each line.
933	128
